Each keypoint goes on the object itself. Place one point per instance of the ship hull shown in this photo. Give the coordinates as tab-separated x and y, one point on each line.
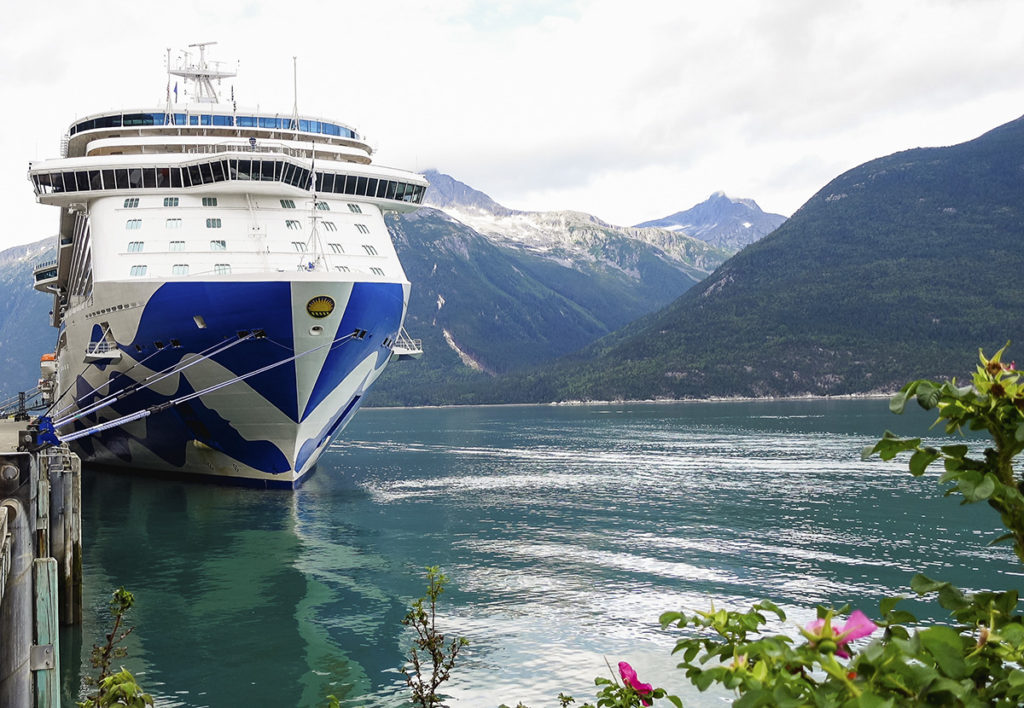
244	381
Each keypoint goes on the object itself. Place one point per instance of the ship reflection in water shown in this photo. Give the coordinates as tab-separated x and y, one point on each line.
566	531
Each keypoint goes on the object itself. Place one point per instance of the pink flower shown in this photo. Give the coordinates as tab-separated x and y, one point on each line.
857	626
630	679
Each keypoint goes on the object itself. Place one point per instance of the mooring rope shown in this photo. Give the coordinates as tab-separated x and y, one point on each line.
138	415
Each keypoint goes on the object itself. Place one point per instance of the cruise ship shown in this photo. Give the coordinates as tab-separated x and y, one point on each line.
226	290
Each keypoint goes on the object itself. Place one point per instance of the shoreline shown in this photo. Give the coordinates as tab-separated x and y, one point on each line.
649	401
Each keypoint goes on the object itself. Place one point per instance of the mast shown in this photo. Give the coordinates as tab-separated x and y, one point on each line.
202	74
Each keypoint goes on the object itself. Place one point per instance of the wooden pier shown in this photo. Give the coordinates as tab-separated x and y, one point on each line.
40	562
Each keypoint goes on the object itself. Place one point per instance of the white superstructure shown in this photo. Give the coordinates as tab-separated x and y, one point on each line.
226	289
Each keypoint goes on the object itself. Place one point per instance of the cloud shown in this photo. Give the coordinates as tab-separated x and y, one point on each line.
630	112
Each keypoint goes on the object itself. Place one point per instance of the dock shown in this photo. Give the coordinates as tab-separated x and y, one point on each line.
40	562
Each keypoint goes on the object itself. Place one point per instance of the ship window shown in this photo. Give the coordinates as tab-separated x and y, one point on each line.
222	120
218	245
350	184
149	177
133	224
137	270
362	228
336	247
361	186
176	246
222	269
377	271
287	204
293	224
131	203
330	226
371	187
179	269
299	246
289	170
135	246
341	269
325	181
323	206
218	171
370	250
173	223
213	223
355	209
94	180
206	172
170	201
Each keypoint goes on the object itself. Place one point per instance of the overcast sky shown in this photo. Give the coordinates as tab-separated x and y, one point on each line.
626	109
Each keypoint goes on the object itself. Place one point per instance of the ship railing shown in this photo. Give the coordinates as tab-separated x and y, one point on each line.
102	351
46	264
214	149
406	347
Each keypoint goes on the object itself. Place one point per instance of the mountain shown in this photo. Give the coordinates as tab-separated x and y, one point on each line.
25	333
897	269
497	290
730	224
484	309
568	237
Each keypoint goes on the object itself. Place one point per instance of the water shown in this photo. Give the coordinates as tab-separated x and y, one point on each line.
566	532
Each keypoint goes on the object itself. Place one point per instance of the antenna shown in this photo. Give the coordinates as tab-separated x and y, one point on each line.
314	245
295	92
167	110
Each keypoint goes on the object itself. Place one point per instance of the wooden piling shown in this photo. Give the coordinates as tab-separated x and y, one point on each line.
40	564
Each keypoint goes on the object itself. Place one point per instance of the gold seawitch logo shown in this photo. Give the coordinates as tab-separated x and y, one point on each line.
320	306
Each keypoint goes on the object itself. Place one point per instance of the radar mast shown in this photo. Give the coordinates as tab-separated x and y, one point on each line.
202	74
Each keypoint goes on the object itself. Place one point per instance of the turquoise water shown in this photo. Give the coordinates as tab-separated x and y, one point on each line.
566	532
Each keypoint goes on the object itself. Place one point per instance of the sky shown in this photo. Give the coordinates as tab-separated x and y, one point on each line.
627	110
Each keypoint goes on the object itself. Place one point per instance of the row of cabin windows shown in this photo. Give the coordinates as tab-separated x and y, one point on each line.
138	271
225	170
221	245
133	202
216	223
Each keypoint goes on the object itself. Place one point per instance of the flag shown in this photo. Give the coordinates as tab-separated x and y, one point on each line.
175	91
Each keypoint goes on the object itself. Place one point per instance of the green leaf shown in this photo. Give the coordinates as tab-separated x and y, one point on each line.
922	584
888	603
920	460
976	487
668	618
959	451
928	395
674	700
946	647
872	700
898	402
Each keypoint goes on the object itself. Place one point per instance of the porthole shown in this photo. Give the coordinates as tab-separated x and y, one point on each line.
316	330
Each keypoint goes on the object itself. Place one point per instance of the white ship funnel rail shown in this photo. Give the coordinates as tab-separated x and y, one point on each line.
138	415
